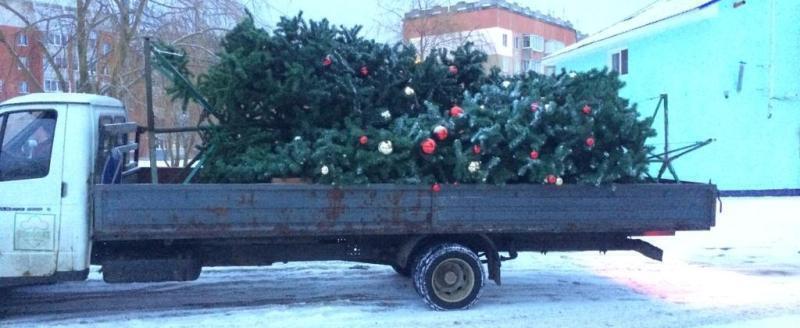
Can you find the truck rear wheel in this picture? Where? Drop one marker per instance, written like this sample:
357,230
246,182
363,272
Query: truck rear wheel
449,277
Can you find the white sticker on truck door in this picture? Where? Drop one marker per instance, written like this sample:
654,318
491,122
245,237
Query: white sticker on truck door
34,232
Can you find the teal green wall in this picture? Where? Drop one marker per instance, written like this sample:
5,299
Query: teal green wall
695,59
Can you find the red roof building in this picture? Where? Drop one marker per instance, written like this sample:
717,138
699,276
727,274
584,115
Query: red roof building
514,37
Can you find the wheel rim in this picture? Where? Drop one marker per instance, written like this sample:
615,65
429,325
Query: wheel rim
453,280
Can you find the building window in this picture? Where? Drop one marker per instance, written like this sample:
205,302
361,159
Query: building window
55,38
23,87
533,42
22,39
516,42
505,40
92,39
106,48
23,63
60,61
52,86
2,84
619,62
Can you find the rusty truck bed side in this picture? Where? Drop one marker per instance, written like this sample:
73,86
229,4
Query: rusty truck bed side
200,211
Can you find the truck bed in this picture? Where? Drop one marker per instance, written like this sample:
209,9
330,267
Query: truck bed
199,211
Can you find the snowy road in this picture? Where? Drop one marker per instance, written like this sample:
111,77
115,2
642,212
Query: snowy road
745,272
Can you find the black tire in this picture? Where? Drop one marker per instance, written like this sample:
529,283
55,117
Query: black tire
405,272
449,277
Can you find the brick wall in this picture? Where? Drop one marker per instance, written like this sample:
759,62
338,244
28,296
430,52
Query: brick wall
10,73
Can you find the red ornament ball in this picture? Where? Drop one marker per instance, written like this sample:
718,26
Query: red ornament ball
440,132
363,140
534,154
534,107
476,149
586,109
428,146
327,61
456,111
551,179
590,141
436,187
364,71
453,69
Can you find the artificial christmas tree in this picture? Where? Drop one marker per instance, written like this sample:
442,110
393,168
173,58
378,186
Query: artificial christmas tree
308,99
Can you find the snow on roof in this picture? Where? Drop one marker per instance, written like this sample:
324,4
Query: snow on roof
72,98
657,11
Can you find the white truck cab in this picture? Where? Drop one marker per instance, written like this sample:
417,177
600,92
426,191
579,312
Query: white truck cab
47,166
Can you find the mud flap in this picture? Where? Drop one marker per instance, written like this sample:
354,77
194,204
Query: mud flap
151,270
646,249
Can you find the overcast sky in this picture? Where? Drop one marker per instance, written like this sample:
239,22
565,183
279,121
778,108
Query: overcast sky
588,16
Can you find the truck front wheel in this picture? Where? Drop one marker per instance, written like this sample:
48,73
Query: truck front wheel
449,277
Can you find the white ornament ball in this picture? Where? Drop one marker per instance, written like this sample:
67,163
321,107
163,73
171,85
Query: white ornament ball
385,147
324,170
559,181
386,115
548,107
297,138
573,74
474,166
408,91
506,84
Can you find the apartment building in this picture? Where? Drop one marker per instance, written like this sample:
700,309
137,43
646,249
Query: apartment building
516,38
44,30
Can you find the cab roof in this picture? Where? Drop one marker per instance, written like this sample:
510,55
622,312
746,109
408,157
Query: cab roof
63,98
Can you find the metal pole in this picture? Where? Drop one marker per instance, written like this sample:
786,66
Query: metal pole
667,159
666,128
151,117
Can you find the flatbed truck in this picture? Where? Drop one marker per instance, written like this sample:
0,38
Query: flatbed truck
72,195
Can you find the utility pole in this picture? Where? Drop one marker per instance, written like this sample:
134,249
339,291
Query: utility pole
151,117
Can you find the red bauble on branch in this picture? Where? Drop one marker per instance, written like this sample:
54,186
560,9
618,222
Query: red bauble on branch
327,61
363,140
586,109
456,112
534,107
476,149
436,187
364,71
551,179
534,154
440,132
590,142
453,69
428,146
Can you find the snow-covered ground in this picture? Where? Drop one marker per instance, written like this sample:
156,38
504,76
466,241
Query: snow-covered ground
743,273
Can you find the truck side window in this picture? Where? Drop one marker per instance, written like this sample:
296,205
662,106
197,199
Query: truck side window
27,139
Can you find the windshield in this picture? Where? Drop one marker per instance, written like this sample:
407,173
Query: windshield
27,139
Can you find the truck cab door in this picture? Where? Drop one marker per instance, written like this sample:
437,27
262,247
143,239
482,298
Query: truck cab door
31,161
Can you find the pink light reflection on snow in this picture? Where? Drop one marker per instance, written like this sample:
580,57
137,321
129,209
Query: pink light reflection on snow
678,282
